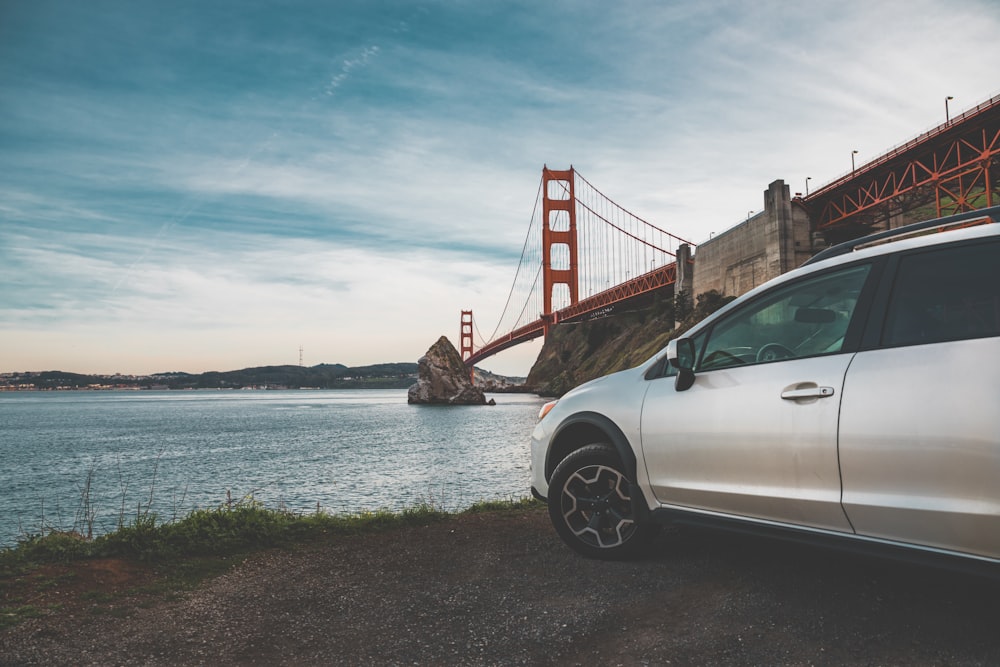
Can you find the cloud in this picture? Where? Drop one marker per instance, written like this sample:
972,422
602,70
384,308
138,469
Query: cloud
255,293
353,178
348,65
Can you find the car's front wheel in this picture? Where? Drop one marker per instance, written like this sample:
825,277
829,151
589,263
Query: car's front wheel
590,504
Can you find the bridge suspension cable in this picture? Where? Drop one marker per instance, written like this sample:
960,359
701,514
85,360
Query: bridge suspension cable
525,286
611,247
616,245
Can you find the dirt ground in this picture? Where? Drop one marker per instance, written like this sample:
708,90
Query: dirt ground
501,589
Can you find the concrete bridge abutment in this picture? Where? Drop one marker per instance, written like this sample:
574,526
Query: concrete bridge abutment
768,244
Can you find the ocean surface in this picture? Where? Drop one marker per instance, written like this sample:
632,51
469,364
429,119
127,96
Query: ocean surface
64,455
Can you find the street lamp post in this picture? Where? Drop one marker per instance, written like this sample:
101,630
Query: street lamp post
808,178
947,116
853,153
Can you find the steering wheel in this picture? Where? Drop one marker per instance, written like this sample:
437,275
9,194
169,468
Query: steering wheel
773,352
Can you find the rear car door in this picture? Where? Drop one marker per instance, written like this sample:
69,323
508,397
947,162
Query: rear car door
920,418
756,435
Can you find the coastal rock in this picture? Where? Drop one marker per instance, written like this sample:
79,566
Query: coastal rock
443,378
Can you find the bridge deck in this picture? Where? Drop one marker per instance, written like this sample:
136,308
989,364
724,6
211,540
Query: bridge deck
663,276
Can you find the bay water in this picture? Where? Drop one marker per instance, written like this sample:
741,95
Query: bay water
112,454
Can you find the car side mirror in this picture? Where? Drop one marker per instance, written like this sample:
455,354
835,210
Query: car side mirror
680,354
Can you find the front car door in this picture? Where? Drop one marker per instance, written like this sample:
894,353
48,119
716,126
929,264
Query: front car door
756,435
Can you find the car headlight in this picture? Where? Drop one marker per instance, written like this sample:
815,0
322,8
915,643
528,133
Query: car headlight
546,409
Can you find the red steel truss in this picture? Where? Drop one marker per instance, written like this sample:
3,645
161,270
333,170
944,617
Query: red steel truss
661,277
949,169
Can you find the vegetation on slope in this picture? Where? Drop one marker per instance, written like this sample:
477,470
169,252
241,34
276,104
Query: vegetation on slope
576,352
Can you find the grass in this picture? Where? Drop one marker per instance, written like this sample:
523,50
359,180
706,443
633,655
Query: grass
234,527
241,526
237,527
183,552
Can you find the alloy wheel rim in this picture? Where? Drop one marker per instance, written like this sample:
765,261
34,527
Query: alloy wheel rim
597,508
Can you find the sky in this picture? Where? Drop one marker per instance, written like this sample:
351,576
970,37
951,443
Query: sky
196,186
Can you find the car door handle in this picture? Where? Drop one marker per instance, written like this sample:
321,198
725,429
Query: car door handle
806,392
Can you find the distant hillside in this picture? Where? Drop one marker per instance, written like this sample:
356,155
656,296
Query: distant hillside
492,382
398,375
324,376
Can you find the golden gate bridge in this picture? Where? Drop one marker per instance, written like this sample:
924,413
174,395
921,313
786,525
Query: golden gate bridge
584,253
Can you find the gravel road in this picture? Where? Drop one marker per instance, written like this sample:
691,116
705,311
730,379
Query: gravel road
501,589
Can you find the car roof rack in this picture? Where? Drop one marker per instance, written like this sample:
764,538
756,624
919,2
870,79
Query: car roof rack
951,222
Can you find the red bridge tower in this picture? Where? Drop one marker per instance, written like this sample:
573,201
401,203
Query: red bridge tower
559,235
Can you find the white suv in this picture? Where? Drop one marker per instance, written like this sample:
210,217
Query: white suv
855,397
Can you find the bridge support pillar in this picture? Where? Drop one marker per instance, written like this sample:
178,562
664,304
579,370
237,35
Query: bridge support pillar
465,338
548,321
559,234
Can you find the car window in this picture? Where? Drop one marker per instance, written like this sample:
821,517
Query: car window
804,319
945,294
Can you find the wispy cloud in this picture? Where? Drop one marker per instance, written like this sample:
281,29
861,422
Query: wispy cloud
347,66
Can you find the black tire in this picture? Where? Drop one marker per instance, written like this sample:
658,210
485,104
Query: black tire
590,505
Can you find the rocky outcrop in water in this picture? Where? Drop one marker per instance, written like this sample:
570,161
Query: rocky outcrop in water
443,378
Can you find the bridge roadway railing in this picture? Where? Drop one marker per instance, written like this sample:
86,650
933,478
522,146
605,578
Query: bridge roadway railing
647,282
896,151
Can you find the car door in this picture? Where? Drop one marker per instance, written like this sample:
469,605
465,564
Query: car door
756,434
920,421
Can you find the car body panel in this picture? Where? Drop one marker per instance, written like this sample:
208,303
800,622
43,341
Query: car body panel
920,456
731,443
617,397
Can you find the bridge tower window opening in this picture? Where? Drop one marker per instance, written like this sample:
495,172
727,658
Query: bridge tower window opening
559,221
560,257
559,188
560,296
